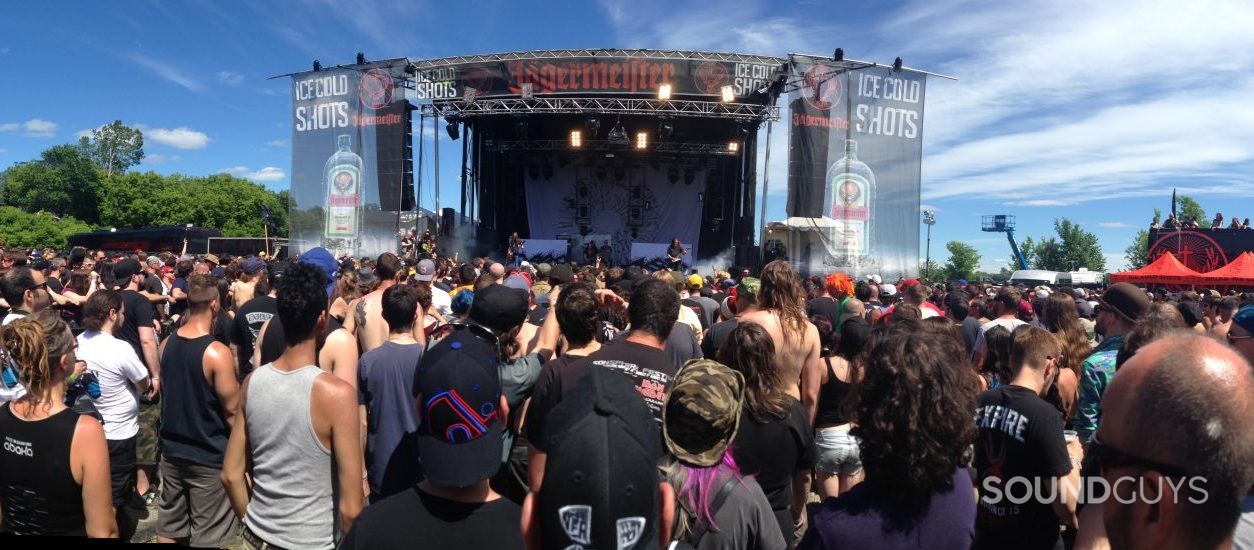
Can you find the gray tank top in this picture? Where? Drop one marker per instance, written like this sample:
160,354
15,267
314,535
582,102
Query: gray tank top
293,505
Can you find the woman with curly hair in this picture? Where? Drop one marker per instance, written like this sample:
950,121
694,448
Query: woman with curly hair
797,353
54,471
775,440
913,415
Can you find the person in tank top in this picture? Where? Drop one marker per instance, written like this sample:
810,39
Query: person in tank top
298,436
54,464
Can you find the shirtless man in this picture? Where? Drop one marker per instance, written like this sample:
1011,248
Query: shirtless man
797,350
244,289
365,314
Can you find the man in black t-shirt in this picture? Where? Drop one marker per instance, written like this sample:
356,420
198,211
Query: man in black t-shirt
653,310
248,322
1020,437
138,331
461,413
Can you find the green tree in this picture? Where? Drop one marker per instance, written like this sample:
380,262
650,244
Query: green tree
64,181
1072,249
930,269
226,203
963,261
1137,253
114,147
1187,208
37,230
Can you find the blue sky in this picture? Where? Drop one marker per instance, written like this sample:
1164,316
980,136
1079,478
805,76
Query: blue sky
1093,111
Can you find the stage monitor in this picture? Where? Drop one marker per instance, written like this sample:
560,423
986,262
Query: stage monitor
349,158
856,140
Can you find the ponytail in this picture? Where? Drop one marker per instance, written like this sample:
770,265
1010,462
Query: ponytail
36,344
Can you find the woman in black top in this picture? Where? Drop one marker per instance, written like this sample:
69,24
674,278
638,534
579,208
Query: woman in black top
675,255
775,439
837,462
54,466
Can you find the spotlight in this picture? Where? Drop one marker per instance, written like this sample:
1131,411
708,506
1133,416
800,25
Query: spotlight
642,140
665,129
317,65
594,125
451,128
897,65
733,146
839,55
729,94
361,58
664,92
618,135
576,139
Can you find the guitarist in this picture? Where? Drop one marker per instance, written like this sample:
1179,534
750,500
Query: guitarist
516,250
675,255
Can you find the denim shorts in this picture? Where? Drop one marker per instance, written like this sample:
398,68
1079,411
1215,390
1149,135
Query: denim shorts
837,451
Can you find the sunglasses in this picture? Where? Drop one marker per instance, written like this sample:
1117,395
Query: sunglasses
1108,457
1233,339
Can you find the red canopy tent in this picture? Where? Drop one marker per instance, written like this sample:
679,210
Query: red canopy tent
1166,270
1238,272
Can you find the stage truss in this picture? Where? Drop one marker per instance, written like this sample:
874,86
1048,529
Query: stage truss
623,106
663,147
558,54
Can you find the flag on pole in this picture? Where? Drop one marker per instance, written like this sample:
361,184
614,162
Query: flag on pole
1173,201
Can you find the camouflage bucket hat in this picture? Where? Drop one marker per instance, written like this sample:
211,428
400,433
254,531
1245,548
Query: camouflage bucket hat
702,412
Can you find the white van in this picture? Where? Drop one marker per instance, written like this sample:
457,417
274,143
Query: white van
1034,277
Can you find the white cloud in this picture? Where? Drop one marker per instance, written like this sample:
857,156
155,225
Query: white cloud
1115,225
230,78
923,207
277,143
84,133
9,127
267,174
158,158
178,138
39,128
167,72
1043,202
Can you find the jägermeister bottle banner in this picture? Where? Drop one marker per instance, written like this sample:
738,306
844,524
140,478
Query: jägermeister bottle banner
855,144
348,158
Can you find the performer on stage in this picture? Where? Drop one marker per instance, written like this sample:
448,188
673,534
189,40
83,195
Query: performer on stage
675,255
408,242
590,252
516,250
426,246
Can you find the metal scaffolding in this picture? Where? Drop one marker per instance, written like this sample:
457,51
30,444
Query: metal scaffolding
664,147
581,105
427,64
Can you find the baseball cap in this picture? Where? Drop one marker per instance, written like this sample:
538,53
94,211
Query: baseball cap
906,284
125,269
322,259
426,270
888,289
727,284
702,412
459,435
726,309
1245,318
254,265
874,279
1126,300
695,282
1025,308
600,477
499,307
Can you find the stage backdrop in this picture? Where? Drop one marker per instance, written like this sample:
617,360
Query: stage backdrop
349,161
855,145
628,205
1201,250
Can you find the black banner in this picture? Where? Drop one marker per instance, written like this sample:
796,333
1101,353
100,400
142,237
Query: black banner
1201,250
350,163
602,74
856,138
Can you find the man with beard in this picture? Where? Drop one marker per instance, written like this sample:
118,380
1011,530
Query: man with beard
1117,311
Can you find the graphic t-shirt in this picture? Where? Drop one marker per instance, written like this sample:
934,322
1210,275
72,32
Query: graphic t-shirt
414,519
247,326
1018,434
649,368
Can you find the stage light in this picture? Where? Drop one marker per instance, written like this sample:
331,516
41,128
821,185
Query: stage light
618,135
838,55
593,125
317,65
897,65
576,139
642,140
361,58
451,128
664,92
729,94
733,146
665,129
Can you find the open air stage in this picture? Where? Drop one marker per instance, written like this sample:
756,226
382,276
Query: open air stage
629,147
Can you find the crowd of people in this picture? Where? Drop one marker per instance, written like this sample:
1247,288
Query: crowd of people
324,402
1191,222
